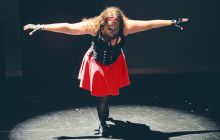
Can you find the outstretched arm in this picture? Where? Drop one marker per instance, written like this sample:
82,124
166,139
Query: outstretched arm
134,26
79,28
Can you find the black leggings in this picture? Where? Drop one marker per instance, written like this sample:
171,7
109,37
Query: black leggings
103,109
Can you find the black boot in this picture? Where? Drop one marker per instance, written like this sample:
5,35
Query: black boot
103,129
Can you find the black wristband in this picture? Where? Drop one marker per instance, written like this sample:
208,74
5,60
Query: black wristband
177,23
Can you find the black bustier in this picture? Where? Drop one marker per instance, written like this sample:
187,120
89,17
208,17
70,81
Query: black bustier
104,53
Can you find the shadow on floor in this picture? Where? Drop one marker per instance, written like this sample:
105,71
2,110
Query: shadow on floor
129,131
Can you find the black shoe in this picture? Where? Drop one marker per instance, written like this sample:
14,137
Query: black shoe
103,129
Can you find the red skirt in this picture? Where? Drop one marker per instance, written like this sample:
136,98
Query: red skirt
103,80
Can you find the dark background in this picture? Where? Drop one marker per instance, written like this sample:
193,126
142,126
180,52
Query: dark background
194,48
168,67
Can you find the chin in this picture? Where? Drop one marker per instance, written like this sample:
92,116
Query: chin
111,37
115,36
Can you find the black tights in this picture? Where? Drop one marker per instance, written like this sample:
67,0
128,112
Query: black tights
103,109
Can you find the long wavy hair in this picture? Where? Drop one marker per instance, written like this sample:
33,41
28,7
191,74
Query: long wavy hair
96,23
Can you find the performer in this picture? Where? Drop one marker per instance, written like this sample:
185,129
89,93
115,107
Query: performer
104,70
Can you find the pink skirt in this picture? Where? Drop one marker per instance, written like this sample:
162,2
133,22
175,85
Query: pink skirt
103,80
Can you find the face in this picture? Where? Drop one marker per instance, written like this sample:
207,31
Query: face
111,28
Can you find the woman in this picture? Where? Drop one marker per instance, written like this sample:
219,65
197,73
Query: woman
104,70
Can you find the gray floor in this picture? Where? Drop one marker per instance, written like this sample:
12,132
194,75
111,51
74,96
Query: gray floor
128,123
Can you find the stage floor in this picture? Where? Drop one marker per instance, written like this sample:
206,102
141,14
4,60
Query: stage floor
153,107
128,122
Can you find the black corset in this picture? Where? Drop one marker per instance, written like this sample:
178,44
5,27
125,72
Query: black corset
105,55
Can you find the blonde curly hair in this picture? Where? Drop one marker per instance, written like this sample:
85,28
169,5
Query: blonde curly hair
94,24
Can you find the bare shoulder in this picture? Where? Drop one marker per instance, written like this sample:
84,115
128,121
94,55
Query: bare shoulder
129,26
126,26
84,27
89,27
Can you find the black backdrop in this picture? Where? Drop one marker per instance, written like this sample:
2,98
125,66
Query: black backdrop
50,61
2,63
195,48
